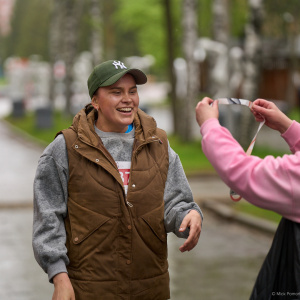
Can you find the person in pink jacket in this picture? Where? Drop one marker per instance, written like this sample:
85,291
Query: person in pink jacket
270,183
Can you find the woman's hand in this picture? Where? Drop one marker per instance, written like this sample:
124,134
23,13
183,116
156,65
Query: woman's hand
193,221
274,117
205,111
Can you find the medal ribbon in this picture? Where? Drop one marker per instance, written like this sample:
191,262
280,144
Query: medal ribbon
235,101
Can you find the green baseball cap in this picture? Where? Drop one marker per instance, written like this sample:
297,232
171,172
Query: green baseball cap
109,72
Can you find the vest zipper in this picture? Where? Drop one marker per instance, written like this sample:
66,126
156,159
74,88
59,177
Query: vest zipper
129,204
112,162
135,153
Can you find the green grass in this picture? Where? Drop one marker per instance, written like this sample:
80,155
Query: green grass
28,124
249,208
265,151
3,81
295,114
191,155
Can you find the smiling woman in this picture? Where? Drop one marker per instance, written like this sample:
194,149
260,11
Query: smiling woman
116,104
112,188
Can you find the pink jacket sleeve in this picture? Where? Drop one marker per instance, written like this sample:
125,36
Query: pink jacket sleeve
270,183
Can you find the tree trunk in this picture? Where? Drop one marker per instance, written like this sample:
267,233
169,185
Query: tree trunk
252,55
71,11
96,36
290,95
221,35
221,71
190,36
218,50
55,42
221,21
109,31
170,55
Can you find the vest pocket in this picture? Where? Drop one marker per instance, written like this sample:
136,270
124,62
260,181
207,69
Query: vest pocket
87,235
83,221
152,232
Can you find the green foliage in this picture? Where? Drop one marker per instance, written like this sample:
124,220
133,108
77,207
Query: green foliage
205,18
30,25
238,12
135,27
144,23
239,16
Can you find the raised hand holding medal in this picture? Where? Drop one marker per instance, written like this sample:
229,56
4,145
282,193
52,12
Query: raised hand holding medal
235,101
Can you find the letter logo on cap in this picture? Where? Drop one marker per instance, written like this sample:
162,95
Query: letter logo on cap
118,64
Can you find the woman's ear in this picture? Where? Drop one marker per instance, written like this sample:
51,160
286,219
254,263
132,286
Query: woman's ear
95,102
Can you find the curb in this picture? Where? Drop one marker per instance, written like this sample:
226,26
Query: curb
17,205
226,212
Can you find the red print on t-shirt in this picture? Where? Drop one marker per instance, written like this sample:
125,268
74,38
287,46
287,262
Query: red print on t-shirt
125,175
124,170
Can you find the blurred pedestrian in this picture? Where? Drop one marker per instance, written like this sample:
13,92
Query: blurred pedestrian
270,183
106,193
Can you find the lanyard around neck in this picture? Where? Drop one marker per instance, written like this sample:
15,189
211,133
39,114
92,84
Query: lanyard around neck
235,101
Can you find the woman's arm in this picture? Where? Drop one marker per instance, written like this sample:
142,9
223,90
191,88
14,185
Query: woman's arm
270,183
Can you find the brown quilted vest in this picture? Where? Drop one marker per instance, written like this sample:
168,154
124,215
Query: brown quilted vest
117,247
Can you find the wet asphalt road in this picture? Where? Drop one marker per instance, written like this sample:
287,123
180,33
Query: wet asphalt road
223,266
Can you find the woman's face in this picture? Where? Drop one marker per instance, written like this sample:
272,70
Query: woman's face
116,104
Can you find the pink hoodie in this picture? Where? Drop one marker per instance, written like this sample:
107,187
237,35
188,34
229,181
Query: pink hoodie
270,183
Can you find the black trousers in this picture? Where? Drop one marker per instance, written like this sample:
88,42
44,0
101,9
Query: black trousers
279,276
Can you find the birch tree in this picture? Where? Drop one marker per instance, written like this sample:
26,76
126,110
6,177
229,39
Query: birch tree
96,35
221,35
221,72
170,55
55,41
221,21
72,10
252,63
190,36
